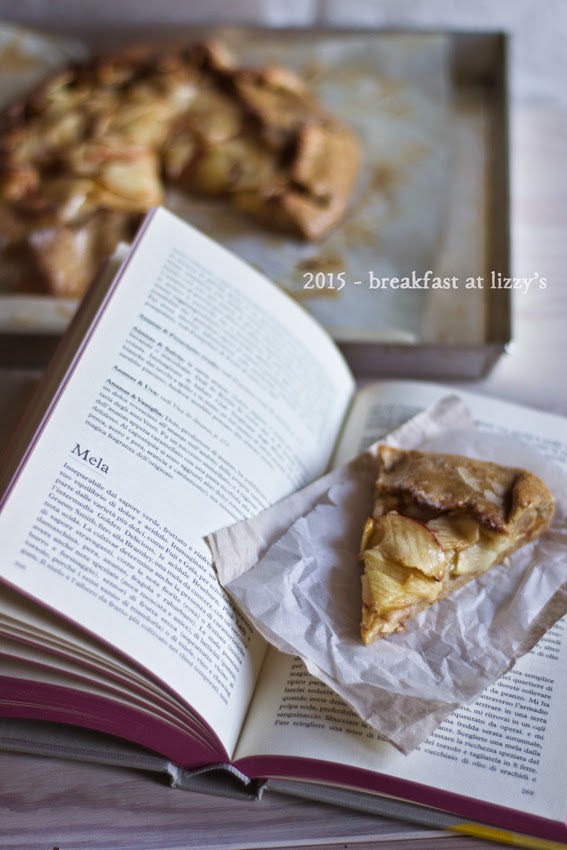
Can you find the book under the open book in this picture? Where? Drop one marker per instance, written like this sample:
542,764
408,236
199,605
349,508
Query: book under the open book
190,393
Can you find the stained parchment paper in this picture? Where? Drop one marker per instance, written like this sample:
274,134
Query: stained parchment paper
26,56
293,571
395,91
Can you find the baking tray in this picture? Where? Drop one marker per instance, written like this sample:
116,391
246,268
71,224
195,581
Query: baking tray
477,239
463,333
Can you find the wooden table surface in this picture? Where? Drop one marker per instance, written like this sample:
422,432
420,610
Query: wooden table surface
46,804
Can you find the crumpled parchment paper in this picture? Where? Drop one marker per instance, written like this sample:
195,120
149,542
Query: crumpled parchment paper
294,572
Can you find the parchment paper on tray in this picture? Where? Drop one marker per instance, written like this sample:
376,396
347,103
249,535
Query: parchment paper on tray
293,571
27,56
394,90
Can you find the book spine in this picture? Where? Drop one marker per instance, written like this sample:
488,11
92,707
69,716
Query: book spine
222,780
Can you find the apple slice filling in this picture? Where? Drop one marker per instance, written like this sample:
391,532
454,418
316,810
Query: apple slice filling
409,564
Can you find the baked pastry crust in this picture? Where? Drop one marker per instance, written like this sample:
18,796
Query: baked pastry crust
89,152
440,520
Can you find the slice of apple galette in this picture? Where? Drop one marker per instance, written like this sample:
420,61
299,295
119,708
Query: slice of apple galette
440,520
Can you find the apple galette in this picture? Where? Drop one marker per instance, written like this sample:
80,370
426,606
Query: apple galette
89,152
440,520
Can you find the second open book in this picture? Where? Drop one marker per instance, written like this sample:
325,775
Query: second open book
189,393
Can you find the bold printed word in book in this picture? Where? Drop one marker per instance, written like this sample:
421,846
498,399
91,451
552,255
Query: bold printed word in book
87,456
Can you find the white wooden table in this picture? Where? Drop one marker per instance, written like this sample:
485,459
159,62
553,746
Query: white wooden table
46,804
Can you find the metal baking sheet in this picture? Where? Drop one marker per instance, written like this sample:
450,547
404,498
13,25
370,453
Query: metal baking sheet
416,208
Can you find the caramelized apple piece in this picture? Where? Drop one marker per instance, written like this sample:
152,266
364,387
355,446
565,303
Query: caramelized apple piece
411,543
454,532
394,584
489,549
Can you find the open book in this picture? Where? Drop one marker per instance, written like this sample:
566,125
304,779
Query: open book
188,393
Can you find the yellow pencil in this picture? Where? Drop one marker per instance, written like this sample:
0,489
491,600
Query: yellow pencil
504,837
393,807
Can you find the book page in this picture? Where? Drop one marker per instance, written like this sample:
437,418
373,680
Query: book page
63,644
204,395
379,408
507,748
